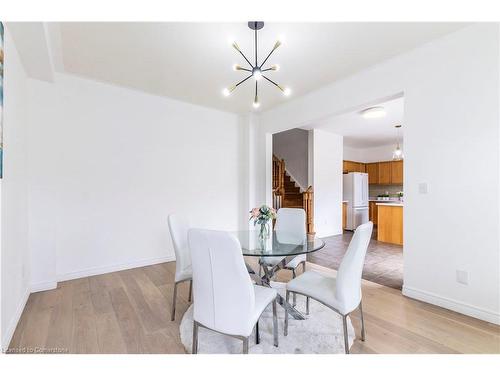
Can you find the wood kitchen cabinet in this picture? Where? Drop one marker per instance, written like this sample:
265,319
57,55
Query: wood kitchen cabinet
372,170
385,172
373,212
390,224
379,173
397,172
353,166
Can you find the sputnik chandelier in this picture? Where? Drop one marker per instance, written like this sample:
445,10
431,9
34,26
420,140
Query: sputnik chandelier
256,71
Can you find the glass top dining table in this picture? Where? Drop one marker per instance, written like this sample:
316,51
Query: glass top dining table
278,244
283,246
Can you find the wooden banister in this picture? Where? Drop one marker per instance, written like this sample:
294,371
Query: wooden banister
308,205
278,176
279,193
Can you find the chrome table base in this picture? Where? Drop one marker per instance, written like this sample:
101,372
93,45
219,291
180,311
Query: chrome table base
265,280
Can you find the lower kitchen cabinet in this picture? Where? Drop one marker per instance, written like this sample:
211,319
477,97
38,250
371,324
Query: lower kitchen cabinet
373,212
390,224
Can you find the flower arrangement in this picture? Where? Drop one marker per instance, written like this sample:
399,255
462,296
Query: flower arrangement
261,216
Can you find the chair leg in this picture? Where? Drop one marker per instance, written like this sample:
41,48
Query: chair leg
172,317
190,297
275,324
307,305
257,334
303,267
286,314
195,338
294,275
245,345
346,337
362,321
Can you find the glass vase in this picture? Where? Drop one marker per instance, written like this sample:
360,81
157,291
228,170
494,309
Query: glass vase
264,231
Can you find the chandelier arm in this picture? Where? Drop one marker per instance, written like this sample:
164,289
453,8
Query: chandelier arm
256,90
246,70
274,83
243,80
249,63
263,62
265,70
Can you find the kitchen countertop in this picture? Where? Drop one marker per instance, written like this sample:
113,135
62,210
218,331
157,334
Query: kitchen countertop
389,203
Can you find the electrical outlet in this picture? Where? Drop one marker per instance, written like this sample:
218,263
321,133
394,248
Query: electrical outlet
463,277
423,188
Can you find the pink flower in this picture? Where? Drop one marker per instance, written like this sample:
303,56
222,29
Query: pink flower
255,213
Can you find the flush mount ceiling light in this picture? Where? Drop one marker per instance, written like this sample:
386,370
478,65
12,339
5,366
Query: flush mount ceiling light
256,70
373,112
397,154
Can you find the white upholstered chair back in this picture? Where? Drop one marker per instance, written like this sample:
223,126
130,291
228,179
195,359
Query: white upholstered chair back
348,286
224,297
290,225
179,227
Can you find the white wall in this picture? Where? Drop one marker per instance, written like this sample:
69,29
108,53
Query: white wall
451,88
327,182
108,164
15,270
292,145
353,154
370,154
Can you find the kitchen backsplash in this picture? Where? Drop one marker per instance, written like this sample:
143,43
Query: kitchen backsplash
375,190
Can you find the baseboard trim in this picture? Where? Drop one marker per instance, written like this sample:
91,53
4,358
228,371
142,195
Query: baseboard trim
11,327
451,304
114,268
45,285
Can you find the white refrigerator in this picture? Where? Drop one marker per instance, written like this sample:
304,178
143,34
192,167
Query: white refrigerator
356,195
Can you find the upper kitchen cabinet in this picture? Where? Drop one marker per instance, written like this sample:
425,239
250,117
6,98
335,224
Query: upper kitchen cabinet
372,170
353,166
397,172
385,173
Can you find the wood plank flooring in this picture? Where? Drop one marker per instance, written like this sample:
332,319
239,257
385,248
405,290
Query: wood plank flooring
129,312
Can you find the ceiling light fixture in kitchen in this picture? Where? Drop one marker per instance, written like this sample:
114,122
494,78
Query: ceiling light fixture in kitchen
373,112
397,154
256,70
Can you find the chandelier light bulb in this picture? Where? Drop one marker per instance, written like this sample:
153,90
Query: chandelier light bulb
277,44
287,91
236,67
228,90
275,67
256,103
235,46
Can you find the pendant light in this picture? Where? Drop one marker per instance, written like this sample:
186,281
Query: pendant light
256,69
397,154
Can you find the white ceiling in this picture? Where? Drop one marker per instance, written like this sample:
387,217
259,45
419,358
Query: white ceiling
192,61
360,132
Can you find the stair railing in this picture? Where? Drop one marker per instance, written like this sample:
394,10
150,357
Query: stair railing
308,205
279,193
278,182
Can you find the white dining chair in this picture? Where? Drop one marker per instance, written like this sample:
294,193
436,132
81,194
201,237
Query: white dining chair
179,227
342,293
290,227
225,300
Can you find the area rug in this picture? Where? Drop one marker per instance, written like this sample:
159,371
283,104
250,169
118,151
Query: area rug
320,333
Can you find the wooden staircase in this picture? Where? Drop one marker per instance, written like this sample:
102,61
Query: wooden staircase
287,194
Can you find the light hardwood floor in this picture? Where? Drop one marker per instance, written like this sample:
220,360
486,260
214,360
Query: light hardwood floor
129,312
